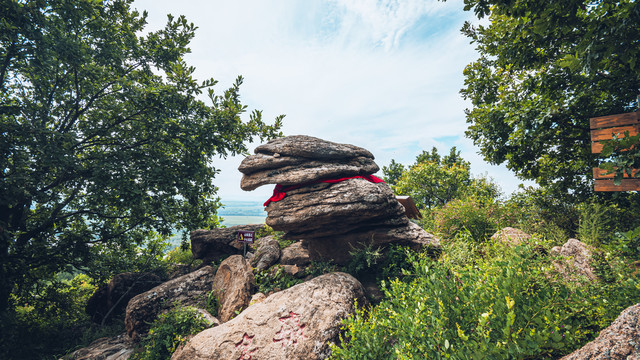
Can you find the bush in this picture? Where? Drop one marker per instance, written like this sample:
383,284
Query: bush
481,218
507,304
169,331
274,279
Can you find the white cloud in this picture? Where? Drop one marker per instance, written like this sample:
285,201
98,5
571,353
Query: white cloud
383,75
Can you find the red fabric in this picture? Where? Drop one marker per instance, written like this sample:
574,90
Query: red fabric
280,192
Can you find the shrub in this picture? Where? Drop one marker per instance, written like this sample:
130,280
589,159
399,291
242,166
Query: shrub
168,331
274,279
505,305
480,218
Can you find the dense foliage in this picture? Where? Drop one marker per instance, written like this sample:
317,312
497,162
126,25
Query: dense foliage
105,139
545,69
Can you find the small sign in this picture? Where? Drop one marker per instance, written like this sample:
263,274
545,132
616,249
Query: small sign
246,236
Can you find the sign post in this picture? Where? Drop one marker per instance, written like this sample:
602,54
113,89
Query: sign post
245,237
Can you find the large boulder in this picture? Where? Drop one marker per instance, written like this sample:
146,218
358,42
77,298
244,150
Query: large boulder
216,244
111,300
188,290
267,253
575,264
296,323
512,236
301,159
233,286
120,347
621,340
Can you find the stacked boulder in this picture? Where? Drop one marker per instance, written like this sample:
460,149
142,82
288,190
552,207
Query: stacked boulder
326,196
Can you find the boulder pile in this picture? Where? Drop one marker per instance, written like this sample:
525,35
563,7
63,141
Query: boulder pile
326,195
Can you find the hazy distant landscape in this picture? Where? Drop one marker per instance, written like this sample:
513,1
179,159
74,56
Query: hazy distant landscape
242,212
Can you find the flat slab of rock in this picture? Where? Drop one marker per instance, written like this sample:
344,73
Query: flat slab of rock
120,347
311,147
187,290
621,340
296,323
233,285
216,244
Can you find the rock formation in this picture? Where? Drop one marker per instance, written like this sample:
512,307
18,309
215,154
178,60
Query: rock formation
297,323
111,300
216,244
267,253
233,286
120,347
621,340
577,263
188,290
326,196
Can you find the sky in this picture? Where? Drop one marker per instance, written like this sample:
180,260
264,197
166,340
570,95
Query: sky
383,75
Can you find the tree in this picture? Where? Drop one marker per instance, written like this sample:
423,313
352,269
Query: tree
105,140
432,180
544,69
392,172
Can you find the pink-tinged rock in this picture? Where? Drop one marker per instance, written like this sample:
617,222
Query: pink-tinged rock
511,236
296,323
233,285
120,347
188,290
295,254
620,341
576,265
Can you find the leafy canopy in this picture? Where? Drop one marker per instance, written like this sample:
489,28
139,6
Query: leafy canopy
544,69
106,138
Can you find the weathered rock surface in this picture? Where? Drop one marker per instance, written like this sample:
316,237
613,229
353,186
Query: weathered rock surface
577,263
309,171
267,253
334,209
332,218
233,285
511,236
337,248
295,254
187,290
311,147
620,341
297,323
216,244
301,159
120,347
112,299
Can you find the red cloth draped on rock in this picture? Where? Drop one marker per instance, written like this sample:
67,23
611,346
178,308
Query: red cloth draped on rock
280,192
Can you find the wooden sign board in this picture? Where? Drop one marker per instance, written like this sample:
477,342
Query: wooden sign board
246,236
603,128
410,208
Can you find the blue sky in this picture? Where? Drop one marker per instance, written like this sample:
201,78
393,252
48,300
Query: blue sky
383,75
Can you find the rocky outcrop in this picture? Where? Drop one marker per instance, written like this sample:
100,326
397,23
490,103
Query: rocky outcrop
188,290
512,236
621,340
576,262
233,285
111,300
297,323
334,217
298,159
216,244
267,253
120,347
